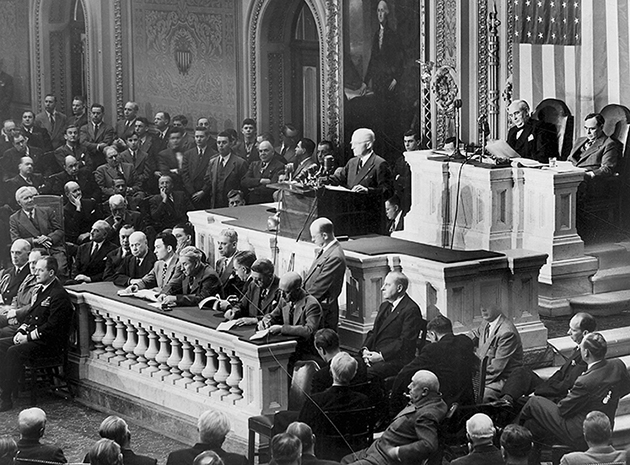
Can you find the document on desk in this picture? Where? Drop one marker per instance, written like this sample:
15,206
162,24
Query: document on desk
226,325
338,188
500,148
259,334
146,294
526,162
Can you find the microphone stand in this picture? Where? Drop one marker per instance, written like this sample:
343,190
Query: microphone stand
457,104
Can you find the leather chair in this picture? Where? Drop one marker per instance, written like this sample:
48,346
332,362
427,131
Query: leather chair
556,112
53,201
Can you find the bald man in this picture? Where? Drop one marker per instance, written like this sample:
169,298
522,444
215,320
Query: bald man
413,435
32,425
12,277
366,171
297,314
135,265
78,214
261,173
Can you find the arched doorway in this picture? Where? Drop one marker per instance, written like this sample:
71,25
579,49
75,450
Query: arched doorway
78,82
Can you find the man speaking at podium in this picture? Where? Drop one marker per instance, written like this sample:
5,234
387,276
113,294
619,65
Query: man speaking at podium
366,171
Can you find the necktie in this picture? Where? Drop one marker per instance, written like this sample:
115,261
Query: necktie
263,294
200,152
52,119
263,167
380,37
320,251
94,250
359,166
291,312
31,216
486,334
164,273
95,128
388,308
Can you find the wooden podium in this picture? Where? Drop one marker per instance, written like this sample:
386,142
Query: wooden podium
352,213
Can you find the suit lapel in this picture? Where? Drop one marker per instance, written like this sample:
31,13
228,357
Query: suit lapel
29,225
365,170
394,314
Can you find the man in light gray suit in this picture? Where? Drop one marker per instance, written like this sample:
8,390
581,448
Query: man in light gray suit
53,121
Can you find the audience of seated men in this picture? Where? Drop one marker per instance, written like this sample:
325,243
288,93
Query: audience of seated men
195,166
32,426
169,207
597,432
224,173
120,215
117,430
213,427
480,434
391,343
72,172
528,137
599,388
39,226
78,214
523,381
136,264
25,177
366,171
497,339
105,452
297,314
11,278
227,245
137,158
413,434
37,136
285,449
44,330
516,445
339,397
91,257
451,357
12,313
96,135
304,433
325,277
116,256
197,281
260,173
261,295
73,148
165,269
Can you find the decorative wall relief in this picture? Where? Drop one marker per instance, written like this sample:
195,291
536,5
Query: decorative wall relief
446,52
185,59
14,47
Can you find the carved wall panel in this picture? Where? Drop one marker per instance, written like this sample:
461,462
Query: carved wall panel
276,92
185,59
58,65
14,50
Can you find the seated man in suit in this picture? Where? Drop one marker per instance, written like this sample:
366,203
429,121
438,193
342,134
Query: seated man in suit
224,266
599,388
528,137
90,260
366,171
213,427
480,432
25,177
138,158
304,433
260,173
261,295
597,153
297,314
166,267
44,331
37,136
413,435
135,265
105,452
339,396
39,226
598,435
450,357
116,256
11,158
169,207
121,215
391,343
197,281
73,148
499,341
325,277
117,430
73,172
394,214
113,169
78,214
32,425
12,277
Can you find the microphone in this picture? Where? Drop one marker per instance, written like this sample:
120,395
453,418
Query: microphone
457,104
329,164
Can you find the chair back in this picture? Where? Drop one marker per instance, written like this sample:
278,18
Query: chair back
53,201
479,380
616,126
345,432
303,372
556,112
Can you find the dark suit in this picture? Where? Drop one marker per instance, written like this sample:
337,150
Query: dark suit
394,335
91,265
251,304
599,388
452,359
38,137
483,454
287,153
322,379
256,192
49,319
310,459
220,180
600,158
194,170
374,174
414,431
31,449
167,161
167,215
10,281
537,140
230,282
324,281
140,163
190,290
241,150
130,268
187,456
56,184
55,131
78,121
13,184
504,351
386,63
105,176
91,140
79,152
133,218
79,222
123,129
11,161
112,262
156,278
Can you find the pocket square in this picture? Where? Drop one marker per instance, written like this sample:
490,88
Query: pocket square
530,138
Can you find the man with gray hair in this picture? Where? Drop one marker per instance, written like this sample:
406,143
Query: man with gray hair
480,433
39,226
113,169
32,425
117,430
79,214
89,262
213,427
126,126
197,281
137,264
121,215
528,137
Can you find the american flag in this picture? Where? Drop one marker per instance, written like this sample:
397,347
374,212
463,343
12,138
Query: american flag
577,51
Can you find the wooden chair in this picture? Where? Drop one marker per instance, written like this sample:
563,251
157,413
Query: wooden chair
53,201
556,112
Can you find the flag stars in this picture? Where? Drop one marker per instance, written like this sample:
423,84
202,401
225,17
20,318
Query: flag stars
576,4
553,20
564,20
529,34
539,4
564,4
553,35
577,20
528,3
540,35
529,18
539,19
553,4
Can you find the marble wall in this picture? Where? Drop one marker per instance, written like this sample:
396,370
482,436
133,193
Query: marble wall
14,47
185,59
